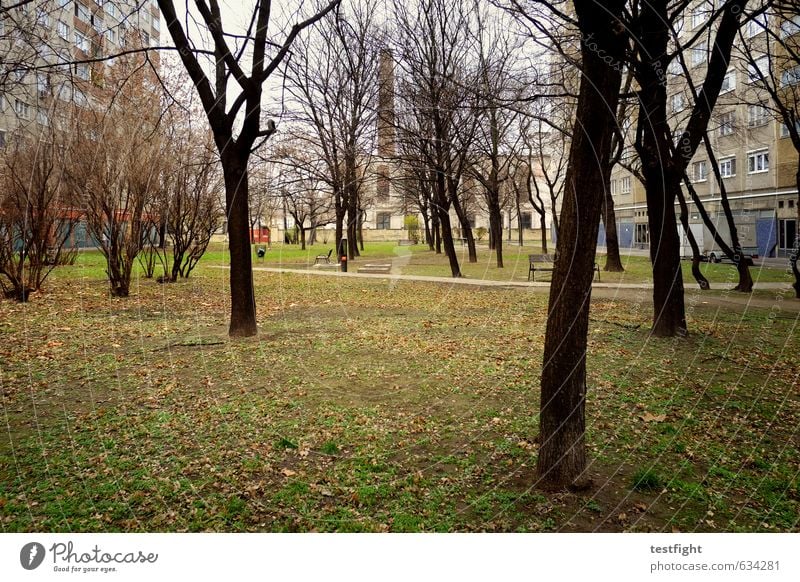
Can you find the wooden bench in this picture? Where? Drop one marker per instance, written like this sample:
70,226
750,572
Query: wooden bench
404,242
323,259
548,263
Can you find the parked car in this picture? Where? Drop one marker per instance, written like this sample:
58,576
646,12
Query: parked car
748,253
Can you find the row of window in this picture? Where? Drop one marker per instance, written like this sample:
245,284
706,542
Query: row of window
621,186
85,14
757,163
755,25
789,77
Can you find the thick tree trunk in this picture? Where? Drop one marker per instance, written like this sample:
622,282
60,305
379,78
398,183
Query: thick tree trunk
496,228
466,229
340,209
243,303
662,177
613,259
447,241
562,453
796,252
669,313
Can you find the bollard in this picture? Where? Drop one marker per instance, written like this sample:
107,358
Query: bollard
342,252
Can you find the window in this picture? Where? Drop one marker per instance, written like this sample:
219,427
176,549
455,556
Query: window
83,13
727,167
757,68
526,221
97,22
642,234
756,25
111,35
790,76
678,102
62,29
698,17
383,221
626,185
41,84
785,128
727,121
2,138
82,71
81,42
613,186
757,115
43,19
700,171
699,54
63,3
145,39
42,118
22,109
79,98
674,67
758,162
728,83
111,9
156,22
790,27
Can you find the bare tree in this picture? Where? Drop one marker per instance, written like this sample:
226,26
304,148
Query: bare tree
115,170
192,213
496,141
333,76
262,55
35,219
437,116
663,164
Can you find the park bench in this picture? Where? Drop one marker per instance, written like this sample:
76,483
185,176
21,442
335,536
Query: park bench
323,259
547,263
405,242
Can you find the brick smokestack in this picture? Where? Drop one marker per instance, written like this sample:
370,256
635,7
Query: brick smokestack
387,147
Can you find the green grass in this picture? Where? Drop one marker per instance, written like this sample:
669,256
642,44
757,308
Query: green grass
369,405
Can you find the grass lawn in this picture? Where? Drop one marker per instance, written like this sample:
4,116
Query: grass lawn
370,405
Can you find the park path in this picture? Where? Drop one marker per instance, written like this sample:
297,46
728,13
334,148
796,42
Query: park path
327,272
630,292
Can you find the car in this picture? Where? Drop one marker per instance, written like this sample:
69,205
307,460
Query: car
749,253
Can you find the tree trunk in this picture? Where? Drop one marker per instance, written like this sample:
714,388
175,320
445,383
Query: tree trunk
243,303
696,258
466,229
496,228
447,241
796,251
543,224
562,453
613,260
662,177
669,314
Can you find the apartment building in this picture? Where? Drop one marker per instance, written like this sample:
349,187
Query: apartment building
757,161
53,52
59,59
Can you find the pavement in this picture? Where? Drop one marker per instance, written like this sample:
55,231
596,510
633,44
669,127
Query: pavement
328,272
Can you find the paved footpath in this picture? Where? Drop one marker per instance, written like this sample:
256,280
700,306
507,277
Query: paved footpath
328,272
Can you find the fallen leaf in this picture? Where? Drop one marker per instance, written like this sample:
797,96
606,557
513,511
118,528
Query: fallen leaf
650,417
288,472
